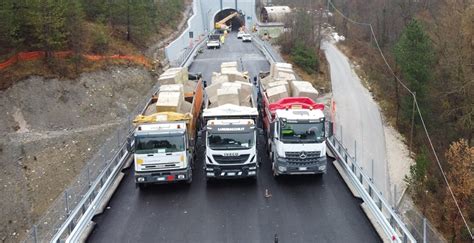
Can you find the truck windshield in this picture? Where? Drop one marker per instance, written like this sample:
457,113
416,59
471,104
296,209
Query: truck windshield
302,132
214,37
159,144
232,141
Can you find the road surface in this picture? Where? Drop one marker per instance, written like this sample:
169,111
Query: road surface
358,118
300,209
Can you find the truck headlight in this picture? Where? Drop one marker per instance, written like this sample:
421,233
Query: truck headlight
181,176
141,179
281,168
322,167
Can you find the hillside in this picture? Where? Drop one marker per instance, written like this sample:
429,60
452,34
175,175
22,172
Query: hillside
80,36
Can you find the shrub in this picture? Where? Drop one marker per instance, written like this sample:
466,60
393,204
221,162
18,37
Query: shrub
305,58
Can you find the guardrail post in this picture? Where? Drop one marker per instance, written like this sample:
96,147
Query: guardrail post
341,133
372,174
35,234
355,150
68,211
89,176
424,230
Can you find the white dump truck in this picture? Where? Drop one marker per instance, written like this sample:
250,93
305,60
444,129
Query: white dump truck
231,131
295,124
165,133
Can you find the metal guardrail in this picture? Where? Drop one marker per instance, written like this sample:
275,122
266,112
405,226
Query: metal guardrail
185,58
391,224
79,218
263,48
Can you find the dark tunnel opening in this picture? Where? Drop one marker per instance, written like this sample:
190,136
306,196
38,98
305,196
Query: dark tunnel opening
236,22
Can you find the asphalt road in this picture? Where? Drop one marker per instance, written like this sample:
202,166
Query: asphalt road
247,55
358,119
300,209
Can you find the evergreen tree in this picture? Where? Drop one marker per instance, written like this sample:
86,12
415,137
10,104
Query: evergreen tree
75,25
414,55
49,25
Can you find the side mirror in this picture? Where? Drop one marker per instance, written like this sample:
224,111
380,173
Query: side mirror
272,130
330,129
201,132
131,144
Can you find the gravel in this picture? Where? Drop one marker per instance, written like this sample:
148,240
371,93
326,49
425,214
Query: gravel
50,128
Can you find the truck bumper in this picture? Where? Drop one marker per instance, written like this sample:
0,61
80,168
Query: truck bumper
284,167
163,177
231,171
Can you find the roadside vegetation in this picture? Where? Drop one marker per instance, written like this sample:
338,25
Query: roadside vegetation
120,27
298,46
430,46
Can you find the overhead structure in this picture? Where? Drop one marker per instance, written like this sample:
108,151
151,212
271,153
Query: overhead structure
274,13
222,24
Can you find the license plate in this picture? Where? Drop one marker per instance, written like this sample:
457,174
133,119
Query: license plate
231,173
303,168
161,179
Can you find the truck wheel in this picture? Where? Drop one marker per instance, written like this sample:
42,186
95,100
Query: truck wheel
190,179
141,186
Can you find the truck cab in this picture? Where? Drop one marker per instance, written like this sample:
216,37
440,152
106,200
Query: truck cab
297,141
162,153
231,148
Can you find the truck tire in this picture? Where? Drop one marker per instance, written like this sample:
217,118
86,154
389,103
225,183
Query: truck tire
274,170
190,179
141,186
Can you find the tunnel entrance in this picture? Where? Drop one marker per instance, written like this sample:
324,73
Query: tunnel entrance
235,22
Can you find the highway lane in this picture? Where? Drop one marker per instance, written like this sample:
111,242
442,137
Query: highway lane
247,55
300,209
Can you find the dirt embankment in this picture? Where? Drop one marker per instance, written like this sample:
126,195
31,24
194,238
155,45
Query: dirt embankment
50,128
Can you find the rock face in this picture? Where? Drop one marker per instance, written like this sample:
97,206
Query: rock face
276,93
50,129
303,89
230,86
169,101
177,75
281,79
229,95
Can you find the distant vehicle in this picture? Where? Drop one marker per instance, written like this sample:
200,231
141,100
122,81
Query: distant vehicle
240,34
214,41
246,38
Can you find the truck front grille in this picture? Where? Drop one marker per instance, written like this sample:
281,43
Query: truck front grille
308,155
231,159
